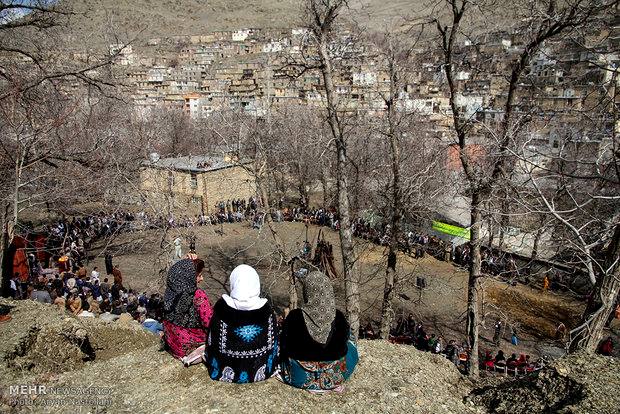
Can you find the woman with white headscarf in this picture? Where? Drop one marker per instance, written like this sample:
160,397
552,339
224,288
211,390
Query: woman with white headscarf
243,344
316,353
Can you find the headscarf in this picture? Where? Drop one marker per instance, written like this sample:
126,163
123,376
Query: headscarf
319,308
179,296
244,289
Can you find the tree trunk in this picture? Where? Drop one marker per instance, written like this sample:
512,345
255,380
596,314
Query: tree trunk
535,247
7,271
588,335
387,313
473,285
491,235
324,188
537,238
350,271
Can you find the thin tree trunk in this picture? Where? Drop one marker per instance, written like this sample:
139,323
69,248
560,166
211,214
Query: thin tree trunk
491,235
324,187
350,272
473,286
4,247
535,247
387,313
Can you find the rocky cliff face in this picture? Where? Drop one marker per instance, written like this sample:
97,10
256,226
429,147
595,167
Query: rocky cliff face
120,367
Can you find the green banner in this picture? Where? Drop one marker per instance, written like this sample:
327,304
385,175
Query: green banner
451,230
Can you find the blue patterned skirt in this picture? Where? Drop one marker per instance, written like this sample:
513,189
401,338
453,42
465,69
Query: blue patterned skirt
319,375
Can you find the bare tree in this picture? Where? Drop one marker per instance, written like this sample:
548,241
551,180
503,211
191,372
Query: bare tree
545,21
50,105
321,18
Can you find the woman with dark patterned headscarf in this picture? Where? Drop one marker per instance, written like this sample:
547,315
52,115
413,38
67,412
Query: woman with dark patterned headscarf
316,353
187,311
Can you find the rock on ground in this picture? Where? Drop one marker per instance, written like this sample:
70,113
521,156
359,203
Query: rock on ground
575,384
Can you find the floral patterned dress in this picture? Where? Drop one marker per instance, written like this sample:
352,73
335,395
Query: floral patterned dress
182,341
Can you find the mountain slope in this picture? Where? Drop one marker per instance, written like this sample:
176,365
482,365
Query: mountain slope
150,18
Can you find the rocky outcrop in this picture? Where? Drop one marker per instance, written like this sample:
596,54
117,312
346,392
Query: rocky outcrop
579,383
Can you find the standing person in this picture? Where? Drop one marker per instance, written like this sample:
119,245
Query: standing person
498,332
105,289
545,284
108,264
96,288
14,286
514,339
192,242
187,311
409,327
115,292
452,352
177,248
243,337
317,351
118,277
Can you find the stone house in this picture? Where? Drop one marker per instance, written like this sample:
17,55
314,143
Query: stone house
192,185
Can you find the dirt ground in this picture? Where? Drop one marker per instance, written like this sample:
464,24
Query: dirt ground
440,306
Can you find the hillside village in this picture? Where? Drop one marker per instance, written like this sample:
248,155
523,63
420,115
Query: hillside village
420,219
253,69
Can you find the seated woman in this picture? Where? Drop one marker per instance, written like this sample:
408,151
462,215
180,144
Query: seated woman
243,339
74,304
187,311
316,352
500,359
488,361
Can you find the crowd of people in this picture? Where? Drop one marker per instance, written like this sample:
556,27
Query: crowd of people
71,239
409,332
89,294
303,346
239,338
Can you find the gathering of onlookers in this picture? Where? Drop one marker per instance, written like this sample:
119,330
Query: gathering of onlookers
239,337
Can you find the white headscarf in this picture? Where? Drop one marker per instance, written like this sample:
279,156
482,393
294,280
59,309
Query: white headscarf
244,289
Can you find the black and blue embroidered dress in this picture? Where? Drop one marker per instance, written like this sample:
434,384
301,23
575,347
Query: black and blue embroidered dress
242,346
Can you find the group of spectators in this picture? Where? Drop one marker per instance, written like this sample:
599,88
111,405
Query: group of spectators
409,332
515,365
88,294
68,285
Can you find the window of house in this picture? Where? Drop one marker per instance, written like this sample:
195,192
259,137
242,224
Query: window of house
193,180
170,178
